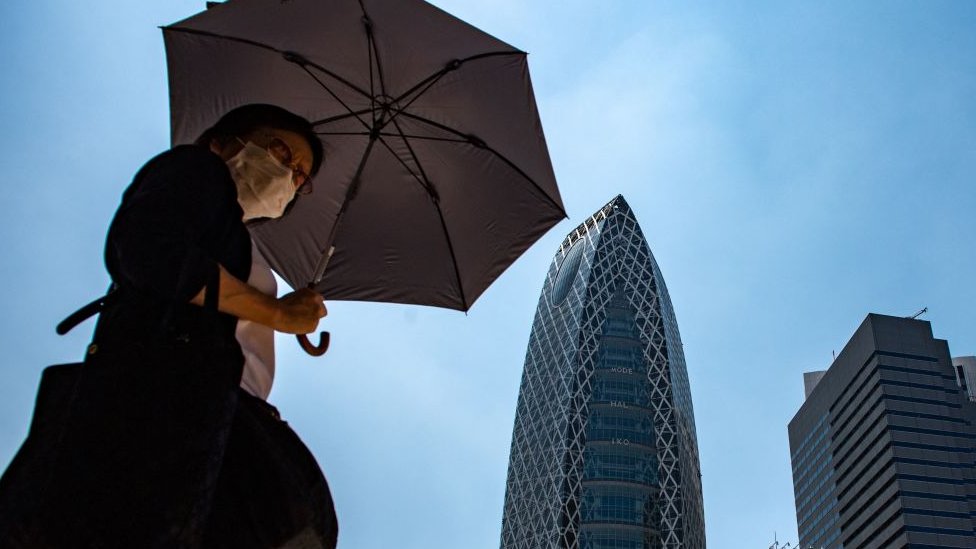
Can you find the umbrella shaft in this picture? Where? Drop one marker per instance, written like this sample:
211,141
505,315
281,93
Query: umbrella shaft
322,265
350,196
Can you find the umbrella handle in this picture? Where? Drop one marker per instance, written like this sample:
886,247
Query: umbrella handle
303,341
314,350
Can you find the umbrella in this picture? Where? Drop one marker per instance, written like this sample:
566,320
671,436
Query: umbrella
437,176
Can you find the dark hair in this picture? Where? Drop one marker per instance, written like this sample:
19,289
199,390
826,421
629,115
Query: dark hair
245,119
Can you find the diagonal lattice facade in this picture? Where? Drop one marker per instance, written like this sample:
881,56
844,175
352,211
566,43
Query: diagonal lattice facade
604,451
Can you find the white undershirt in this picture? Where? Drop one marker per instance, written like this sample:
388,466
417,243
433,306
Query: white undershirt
257,340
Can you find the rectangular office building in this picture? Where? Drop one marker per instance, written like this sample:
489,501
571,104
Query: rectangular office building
883,446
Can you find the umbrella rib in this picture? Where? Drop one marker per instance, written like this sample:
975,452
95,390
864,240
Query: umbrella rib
374,51
450,247
369,52
428,186
344,133
351,191
369,48
475,142
422,180
429,81
408,136
336,97
339,117
435,199
289,56
425,137
413,155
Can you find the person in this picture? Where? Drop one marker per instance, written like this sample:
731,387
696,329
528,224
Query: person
159,447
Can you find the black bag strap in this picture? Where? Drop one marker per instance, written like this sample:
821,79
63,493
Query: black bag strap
210,300
87,311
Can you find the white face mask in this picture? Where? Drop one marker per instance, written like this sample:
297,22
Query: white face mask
264,185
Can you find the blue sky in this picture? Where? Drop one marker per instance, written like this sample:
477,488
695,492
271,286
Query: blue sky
794,167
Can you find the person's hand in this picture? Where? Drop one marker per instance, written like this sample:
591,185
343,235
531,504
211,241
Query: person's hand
299,312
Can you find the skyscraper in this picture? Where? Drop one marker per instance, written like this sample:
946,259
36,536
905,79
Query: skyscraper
604,452
883,446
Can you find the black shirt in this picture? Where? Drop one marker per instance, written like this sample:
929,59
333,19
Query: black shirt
178,220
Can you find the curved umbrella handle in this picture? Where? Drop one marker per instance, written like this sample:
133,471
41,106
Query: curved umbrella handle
314,350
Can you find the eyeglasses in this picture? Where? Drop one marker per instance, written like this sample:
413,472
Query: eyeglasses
282,153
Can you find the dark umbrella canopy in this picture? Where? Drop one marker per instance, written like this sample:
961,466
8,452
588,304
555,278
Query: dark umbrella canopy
431,135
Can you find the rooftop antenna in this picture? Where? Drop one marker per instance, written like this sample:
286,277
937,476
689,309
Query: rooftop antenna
918,314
